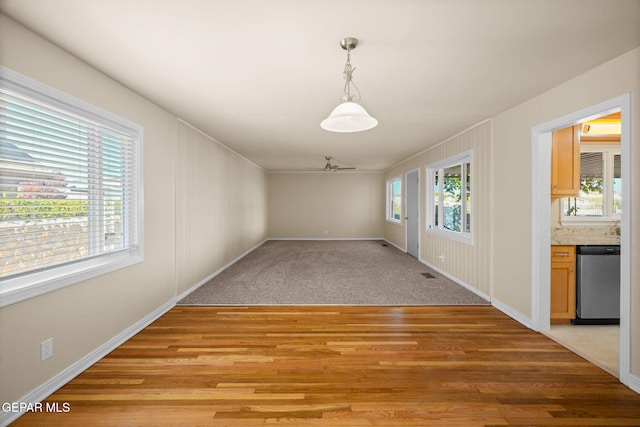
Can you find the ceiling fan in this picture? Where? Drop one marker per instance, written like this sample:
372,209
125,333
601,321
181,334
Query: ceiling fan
332,168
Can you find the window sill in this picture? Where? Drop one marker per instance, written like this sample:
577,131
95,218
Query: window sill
591,222
466,238
31,285
392,221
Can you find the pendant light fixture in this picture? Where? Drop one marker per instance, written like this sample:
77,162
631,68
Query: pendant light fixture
349,116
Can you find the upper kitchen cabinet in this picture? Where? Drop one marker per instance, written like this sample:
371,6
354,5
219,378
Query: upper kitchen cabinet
565,162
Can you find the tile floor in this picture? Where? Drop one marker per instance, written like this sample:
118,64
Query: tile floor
599,344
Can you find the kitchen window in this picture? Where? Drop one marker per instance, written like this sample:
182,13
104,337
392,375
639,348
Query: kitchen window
449,192
600,197
70,189
394,199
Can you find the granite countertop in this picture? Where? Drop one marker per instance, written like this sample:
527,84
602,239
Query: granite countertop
594,235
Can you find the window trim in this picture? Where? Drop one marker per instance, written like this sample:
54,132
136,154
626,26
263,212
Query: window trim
389,200
20,287
458,159
608,150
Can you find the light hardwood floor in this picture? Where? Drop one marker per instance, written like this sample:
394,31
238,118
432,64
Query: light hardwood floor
341,366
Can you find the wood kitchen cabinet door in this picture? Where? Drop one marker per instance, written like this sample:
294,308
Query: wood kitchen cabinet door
565,162
563,283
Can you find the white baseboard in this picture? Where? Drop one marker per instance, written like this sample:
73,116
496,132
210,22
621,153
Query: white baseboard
395,246
634,383
458,281
50,386
218,271
515,315
325,238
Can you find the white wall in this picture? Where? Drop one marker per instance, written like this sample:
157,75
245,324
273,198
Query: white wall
468,263
221,206
500,265
84,318
512,178
326,205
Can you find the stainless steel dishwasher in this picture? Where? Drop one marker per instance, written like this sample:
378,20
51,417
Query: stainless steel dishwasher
597,285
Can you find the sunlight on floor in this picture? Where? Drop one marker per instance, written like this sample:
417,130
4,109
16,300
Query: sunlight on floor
599,344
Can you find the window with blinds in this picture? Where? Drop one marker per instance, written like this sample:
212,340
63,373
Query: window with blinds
600,197
69,188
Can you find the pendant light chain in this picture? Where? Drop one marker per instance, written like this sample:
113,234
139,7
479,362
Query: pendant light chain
348,76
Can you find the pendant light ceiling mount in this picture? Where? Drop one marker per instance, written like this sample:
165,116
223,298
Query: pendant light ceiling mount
349,43
349,116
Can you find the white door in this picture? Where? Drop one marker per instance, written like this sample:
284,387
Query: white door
413,214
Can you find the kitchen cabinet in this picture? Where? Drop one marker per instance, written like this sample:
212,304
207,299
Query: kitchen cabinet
563,283
565,162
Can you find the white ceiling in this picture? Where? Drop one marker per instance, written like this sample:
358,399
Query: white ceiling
260,75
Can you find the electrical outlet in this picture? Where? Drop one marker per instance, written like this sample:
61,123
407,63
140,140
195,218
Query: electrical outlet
46,349
441,258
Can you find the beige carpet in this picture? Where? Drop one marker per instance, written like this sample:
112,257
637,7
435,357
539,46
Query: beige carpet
342,272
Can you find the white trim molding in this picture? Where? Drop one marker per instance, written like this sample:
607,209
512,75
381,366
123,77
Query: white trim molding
395,246
389,204
514,314
634,383
541,222
47,277
458,281
218,271
463,236
50,386
324,238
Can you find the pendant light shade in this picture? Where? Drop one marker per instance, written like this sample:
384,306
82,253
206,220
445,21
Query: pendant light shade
349,116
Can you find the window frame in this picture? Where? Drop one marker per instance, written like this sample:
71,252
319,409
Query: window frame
390,200
461,159
608,150
29,284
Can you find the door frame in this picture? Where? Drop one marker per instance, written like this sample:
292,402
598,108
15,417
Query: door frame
541,220
406,203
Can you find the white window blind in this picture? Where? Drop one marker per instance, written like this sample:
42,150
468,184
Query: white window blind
600,196
69,181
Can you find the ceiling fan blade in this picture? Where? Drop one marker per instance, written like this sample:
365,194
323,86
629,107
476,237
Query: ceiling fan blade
332,168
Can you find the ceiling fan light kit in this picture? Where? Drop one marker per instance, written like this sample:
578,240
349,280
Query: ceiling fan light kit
349,116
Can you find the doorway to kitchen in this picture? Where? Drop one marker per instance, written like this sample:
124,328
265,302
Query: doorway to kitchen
541,221
585,236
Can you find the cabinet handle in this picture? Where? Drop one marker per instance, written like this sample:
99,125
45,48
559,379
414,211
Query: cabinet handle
561,254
